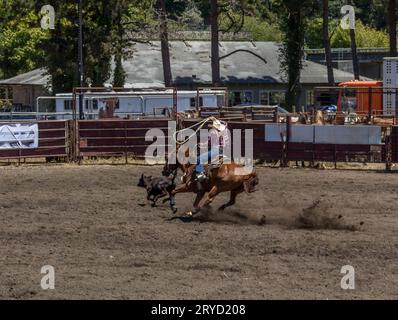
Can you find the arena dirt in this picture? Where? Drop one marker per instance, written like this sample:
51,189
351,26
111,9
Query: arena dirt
287,240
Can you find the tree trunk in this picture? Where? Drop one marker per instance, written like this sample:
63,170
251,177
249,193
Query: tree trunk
164,41
215,54
392,24
119,75
355,62
326,42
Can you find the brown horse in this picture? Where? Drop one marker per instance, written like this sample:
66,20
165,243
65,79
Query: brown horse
229,177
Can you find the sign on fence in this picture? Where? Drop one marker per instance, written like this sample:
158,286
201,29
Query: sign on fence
348,135
19,136
275,132
327,134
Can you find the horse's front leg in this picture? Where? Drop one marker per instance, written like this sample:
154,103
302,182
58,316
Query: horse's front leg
198,198
182,188
210,198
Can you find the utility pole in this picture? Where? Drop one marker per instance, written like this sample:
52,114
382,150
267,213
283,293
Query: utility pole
215,53
80,57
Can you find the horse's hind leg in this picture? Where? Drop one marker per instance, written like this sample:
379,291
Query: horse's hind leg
231,201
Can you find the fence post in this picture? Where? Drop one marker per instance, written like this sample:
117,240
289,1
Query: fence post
285,159
334,156
276,115
370,106
175,102
388,148
69,140
125,142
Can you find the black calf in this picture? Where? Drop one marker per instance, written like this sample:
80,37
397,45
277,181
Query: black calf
158,187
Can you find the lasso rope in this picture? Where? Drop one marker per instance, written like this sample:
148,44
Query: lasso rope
200,124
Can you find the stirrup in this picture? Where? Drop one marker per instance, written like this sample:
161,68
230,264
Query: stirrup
201,177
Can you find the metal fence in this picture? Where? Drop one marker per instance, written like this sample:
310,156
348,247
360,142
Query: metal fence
114,137
53,141
75,140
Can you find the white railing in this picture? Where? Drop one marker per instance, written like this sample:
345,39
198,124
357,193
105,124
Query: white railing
12,116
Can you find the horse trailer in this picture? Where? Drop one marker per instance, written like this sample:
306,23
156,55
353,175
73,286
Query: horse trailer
137,104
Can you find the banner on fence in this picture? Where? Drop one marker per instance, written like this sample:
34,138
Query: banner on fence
364,135
327,134
19,136
275,132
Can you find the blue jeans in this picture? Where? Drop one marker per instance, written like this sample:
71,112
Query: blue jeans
205,158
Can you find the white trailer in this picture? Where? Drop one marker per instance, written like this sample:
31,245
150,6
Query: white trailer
141,103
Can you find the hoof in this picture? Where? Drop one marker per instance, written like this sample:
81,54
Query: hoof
187,217
174,209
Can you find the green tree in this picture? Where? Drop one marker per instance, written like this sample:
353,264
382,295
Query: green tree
192,18
107,29
392,27
293,19
164,40
366,37
20,38
326,41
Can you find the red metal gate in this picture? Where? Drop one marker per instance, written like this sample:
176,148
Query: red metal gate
115,137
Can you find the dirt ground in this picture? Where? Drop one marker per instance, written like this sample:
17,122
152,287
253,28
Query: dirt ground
288,240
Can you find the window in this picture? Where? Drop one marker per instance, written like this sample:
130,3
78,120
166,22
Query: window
241,97
67,104
248,96
310,98
272,98
237,99
264,98
192,102
277,98
95,104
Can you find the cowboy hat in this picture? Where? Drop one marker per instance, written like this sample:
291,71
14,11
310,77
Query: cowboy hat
218,125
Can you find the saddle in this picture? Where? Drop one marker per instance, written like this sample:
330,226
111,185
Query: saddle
214,165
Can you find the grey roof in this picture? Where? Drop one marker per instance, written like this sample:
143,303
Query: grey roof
38,77
191,63
192,58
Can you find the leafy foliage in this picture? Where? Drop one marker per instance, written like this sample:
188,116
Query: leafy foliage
293,23
20,38
110,29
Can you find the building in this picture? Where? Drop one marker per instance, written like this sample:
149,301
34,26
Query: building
25,88
248,78
370,60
